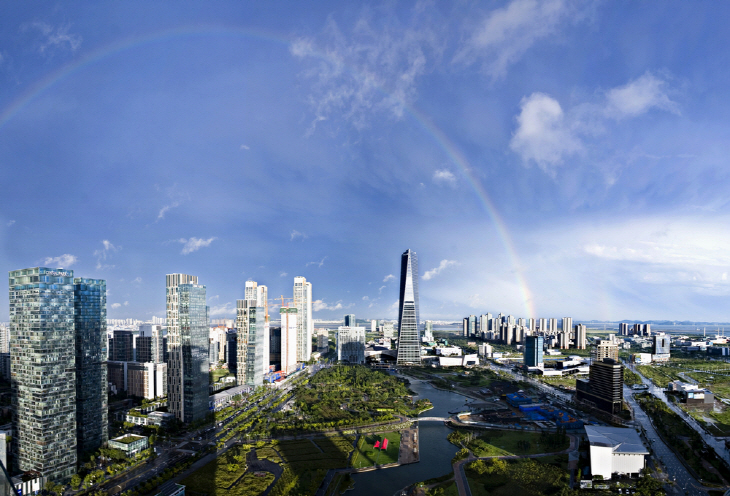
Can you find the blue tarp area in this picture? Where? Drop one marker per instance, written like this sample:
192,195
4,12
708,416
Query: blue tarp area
517,399
539,412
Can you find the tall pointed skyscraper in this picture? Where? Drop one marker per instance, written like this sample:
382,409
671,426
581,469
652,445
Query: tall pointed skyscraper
409,339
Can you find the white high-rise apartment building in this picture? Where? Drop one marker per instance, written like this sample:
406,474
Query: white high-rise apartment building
305,323
289,329
257,293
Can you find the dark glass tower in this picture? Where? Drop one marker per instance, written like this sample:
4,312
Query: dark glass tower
409,339
91,372
533,354
187,344
43,371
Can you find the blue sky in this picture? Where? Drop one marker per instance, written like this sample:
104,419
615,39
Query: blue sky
543,158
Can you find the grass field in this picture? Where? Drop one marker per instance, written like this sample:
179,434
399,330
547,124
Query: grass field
367,456
505,443
525,477
219,477
306,461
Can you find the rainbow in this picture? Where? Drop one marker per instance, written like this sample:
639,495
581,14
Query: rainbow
443,142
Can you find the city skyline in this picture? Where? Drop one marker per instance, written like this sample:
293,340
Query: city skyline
541,157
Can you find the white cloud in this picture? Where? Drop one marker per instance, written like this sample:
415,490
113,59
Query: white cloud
105,252
373,69
245,147
389,277
176,196
65,261
126,303
283,274
639,96
381,288
542,134
54,38
318,305
430,274
365,298
225,309
318,264
194,244
444,176
296,234
137,280
505,34
546,134
10,223
116,305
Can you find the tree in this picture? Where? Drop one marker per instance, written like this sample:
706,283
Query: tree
75,481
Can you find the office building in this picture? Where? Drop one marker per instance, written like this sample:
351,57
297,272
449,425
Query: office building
142,380
606,348
121,346
428,331
409,340
623,329
305,322
373,326
91,375
231,353
43,371
387,329
351,344
604,387
253,345
660,347
470,326
187,345
533,354
149,344
289,332
323,341
275,347
349,320
543,326
580,337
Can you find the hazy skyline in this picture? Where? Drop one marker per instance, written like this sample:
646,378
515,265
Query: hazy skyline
542,158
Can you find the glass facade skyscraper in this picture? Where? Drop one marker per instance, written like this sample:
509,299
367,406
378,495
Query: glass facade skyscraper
43,371
409,339
91,371
253,337
534,353
187,344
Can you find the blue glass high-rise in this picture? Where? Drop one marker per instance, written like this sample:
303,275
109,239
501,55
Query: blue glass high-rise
91,370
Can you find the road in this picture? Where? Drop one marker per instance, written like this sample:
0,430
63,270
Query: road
677,472
717,443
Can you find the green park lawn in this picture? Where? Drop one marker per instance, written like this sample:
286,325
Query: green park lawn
508,443
367,456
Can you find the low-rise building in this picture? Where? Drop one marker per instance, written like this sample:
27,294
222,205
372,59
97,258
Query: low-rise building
693,395
131,444
448,351
615,450
458,361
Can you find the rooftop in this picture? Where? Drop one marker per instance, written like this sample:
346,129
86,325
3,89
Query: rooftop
128,439
622,440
